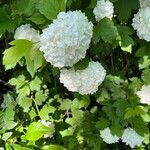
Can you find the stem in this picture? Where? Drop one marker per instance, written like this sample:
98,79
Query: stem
37,108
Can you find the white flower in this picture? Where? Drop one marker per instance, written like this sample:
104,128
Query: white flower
84,81
104,8
144,3
130,137
141,23
49,125
66,40
108,137
144,94
27,33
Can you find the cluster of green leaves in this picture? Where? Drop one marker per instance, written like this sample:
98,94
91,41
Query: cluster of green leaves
72,121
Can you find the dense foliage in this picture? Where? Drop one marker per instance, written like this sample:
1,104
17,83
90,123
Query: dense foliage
37,111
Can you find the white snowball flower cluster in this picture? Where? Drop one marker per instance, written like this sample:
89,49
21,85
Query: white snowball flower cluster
144,3
141,23
66,40
108,137
130,137
27,33
83,81
144,94
104,8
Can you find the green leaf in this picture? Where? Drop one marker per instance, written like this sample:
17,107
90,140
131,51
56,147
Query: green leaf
18,147
37,18
129,113
6,23
51,8
82,64
126,42
18,82
23,48
40,97
106,30
23,7
123,9
140,126
121,106
35,85
9,114
53,147
45,111
66,104
67,132
19,49
146,76
143,51
8,147
117,129
102,123
136,84
6,136
36,130
23,92
25,103
144,62
9,125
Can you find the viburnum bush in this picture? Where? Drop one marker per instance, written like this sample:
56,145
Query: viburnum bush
74,74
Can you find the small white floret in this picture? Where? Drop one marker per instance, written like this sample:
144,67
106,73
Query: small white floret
108,137
131,138
144,94
104,8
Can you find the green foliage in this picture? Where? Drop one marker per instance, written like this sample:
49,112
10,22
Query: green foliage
106,31
51,8
36,130
124,9
23,48
32,94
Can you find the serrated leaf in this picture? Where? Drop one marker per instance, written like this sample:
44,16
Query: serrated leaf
35,85
65,104
106,30
144,62
23,48
140,126
123,8
45,111
37,18
116,129
25,103
67,132
36,130
6,23
126,42
18,82
6,136
9,125
121,106
146,76
53,147
23,7
23,92
18,147
9,114
82,64
102,123
16,52
143,51
40,97
129,113
51,8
